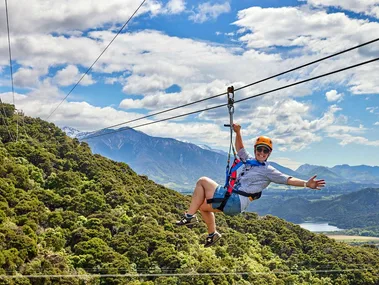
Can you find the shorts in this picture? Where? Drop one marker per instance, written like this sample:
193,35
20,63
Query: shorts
232,207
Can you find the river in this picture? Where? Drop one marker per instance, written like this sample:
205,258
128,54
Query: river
319,227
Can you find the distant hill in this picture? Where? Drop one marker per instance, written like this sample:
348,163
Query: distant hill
306,168
343,173
327,174
167,161
360,173
322,172
353,210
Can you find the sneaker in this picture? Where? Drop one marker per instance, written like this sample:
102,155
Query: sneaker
185,221
211,240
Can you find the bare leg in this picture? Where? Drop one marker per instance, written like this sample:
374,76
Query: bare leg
209,219
205,188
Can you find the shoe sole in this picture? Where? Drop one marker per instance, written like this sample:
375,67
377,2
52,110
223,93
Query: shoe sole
188,224
215,241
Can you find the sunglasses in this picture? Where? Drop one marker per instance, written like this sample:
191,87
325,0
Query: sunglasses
264,149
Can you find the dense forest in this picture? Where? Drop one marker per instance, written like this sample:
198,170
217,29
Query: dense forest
70,217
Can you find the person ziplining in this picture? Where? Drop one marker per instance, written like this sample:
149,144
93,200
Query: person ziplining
238,192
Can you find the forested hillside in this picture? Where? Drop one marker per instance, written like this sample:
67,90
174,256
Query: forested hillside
359,209
65,211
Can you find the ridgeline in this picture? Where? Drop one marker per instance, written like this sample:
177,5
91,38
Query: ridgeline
70,217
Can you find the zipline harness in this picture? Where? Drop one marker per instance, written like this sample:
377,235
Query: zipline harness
231,172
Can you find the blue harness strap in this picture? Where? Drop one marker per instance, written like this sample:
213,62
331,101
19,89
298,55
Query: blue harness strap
237,164
231,177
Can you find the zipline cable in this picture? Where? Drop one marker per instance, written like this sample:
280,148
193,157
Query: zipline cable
245,86
90,68
10,62
240,100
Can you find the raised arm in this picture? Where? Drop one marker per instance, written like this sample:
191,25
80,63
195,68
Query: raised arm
311,183
239,142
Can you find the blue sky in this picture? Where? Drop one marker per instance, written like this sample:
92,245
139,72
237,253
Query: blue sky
176,51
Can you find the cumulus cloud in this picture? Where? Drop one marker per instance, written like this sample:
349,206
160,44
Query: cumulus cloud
28,77
40,103
75,15
364,80
309,31
297,26
333,96
346,139
70,75
176,6
208,11
136,84
350,135
290,123
341,129
368,7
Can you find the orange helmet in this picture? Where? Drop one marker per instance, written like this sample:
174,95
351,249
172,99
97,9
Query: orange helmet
262,140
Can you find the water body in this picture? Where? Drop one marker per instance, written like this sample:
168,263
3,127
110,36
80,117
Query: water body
319,227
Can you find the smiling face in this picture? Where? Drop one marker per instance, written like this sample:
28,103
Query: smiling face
262,153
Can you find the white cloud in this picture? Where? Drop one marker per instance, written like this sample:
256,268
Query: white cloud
333,96
40,52
364,80
206,11
111,80
70,75
289,122
340,129
176,6
376,124
136,84
28,77
368,7
40,103
350,135
299,26
372,109
346,139
310,31
29,16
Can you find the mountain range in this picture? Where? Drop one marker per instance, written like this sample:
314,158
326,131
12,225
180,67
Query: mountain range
178,165
167,161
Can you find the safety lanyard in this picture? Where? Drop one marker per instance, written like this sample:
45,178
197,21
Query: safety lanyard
230,93
231,175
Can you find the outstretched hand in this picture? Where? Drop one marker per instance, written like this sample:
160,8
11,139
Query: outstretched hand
315,184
